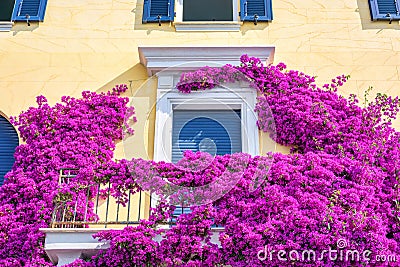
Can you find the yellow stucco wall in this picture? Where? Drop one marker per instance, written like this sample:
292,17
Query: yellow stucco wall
93,45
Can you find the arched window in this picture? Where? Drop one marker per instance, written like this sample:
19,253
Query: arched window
8,143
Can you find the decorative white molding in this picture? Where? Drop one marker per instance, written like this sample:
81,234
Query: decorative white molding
213,26
183,58
5,26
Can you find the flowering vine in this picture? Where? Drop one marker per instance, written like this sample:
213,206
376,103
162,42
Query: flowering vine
76,133
339,183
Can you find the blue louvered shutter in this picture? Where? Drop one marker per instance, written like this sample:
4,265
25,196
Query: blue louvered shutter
261,8
385,9
178,212
34,8
8,143
154,8
217,132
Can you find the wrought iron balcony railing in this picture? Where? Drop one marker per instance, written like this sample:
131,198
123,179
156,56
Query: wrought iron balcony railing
95,207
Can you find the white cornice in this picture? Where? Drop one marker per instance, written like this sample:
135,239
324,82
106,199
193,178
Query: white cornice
157,58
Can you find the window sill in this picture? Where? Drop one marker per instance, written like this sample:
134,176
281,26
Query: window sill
395,18
5,26
214,26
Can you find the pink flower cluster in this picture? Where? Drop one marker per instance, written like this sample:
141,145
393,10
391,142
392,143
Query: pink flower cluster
76,133
208,77
340,182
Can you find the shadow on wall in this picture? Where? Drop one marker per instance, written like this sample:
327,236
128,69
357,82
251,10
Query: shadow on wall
250,26
368,24
21,26
140,86
133,77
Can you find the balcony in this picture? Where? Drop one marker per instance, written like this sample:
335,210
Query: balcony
94,209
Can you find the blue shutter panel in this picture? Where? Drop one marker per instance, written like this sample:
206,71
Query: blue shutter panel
154,8
217,132
8,143
179,210
261,8
34,8
384,9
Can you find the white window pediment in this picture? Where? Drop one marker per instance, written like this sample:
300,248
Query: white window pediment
168,63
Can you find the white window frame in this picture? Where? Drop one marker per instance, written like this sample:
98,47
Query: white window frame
181,25
237,96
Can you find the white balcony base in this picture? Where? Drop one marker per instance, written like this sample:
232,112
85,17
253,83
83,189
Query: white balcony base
65,245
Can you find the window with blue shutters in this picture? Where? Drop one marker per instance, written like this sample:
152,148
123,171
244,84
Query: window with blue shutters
32,10
256,10
206,11
385,9
8,143
158,11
